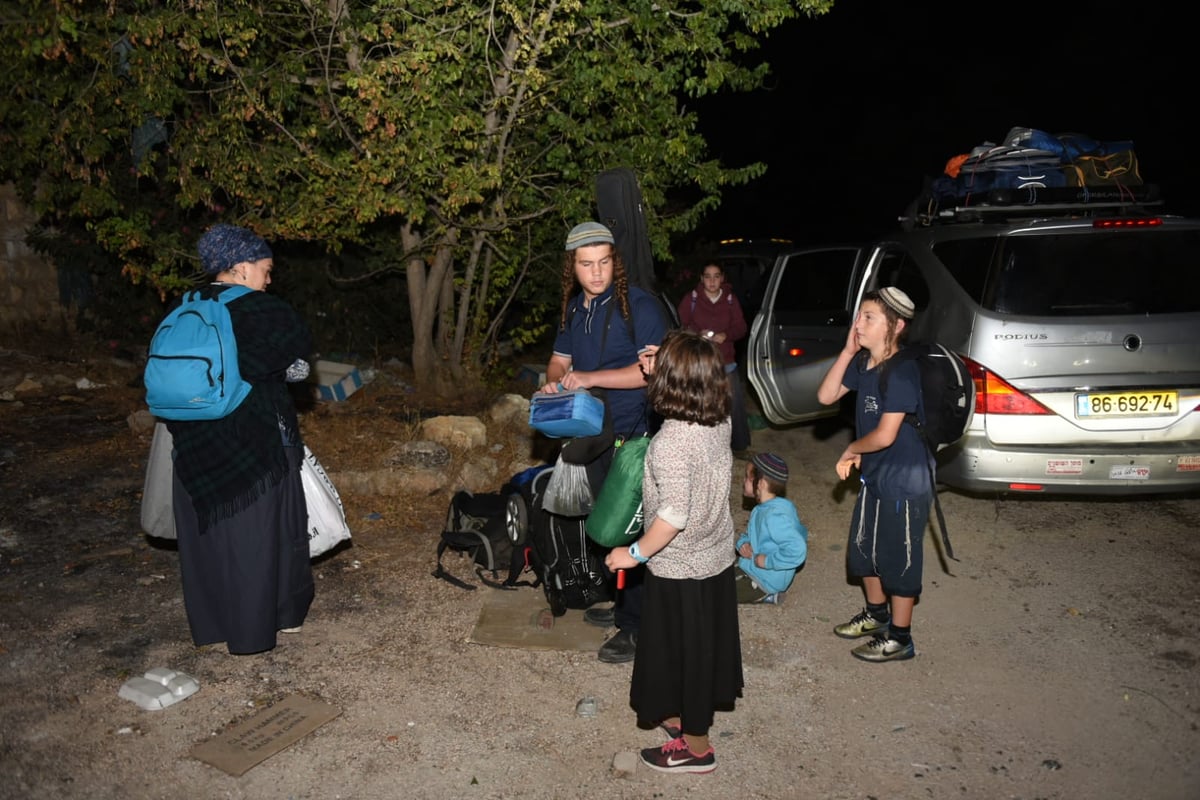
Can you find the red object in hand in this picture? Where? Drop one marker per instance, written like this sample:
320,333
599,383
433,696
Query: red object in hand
620,579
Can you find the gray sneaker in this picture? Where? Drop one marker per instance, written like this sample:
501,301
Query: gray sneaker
882,648
862,624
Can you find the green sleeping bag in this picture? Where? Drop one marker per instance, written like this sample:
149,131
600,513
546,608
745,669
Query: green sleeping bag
616,517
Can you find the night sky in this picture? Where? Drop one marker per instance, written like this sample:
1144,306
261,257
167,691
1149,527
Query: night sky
870,98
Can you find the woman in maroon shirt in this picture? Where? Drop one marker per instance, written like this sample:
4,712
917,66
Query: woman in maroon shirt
713,311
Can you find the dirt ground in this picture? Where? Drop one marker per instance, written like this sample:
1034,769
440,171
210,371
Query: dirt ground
1056,659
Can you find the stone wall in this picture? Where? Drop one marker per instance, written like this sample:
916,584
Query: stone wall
28,282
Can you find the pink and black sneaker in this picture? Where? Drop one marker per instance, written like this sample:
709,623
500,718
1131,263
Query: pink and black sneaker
674,756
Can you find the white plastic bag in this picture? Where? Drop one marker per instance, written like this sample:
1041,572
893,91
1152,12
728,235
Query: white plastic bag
326,518
158,509
568,492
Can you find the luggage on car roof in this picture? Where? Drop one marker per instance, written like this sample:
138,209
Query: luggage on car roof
1031,166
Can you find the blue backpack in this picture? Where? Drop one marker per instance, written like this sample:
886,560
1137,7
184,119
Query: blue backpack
192,371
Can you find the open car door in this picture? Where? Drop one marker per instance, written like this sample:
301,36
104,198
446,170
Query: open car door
800,329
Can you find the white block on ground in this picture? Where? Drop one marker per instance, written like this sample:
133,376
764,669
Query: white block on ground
159,688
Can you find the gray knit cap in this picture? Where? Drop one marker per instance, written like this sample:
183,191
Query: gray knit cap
587,233
224,246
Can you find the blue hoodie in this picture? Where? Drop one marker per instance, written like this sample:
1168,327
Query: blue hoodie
775,530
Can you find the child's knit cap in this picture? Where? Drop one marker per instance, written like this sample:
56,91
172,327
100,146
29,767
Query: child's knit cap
770,466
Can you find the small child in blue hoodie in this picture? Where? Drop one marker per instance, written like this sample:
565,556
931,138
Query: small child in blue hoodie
775,543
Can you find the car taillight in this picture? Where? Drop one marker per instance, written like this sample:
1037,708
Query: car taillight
994,395
1129,222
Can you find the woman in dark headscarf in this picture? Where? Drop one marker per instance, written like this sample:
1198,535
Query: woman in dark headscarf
240,513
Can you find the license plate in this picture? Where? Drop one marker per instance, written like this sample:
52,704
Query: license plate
1129,472
1127,404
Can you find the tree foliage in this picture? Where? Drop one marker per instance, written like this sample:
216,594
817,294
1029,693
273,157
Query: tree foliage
451,143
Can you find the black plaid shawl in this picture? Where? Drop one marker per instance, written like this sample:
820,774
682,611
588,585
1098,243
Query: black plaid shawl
227,464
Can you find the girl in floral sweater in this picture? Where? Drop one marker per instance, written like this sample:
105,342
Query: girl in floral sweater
688,663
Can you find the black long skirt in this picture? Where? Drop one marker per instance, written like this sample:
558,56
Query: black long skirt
689,652
249,575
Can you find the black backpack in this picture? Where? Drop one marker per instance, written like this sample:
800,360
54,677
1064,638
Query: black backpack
475,527
947,393
569,565
948,402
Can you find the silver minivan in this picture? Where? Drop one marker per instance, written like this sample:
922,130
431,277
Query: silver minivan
1080,325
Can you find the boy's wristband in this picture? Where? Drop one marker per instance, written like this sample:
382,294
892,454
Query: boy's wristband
636,553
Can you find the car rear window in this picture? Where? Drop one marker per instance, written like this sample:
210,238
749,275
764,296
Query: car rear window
1082,273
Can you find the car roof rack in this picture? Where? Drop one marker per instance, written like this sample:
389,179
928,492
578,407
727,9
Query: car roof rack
1000,205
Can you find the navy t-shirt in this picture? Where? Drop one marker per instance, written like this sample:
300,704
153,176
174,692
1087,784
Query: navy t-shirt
584,334
902,470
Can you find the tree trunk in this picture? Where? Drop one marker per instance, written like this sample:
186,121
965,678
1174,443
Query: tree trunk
447,352
426,282
469,302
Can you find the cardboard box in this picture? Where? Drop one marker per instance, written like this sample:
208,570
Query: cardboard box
337,381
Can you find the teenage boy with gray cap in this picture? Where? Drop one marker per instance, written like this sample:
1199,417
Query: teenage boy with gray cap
594,349
775,543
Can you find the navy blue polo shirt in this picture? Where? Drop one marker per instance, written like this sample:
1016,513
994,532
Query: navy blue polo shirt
585,334
902,470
